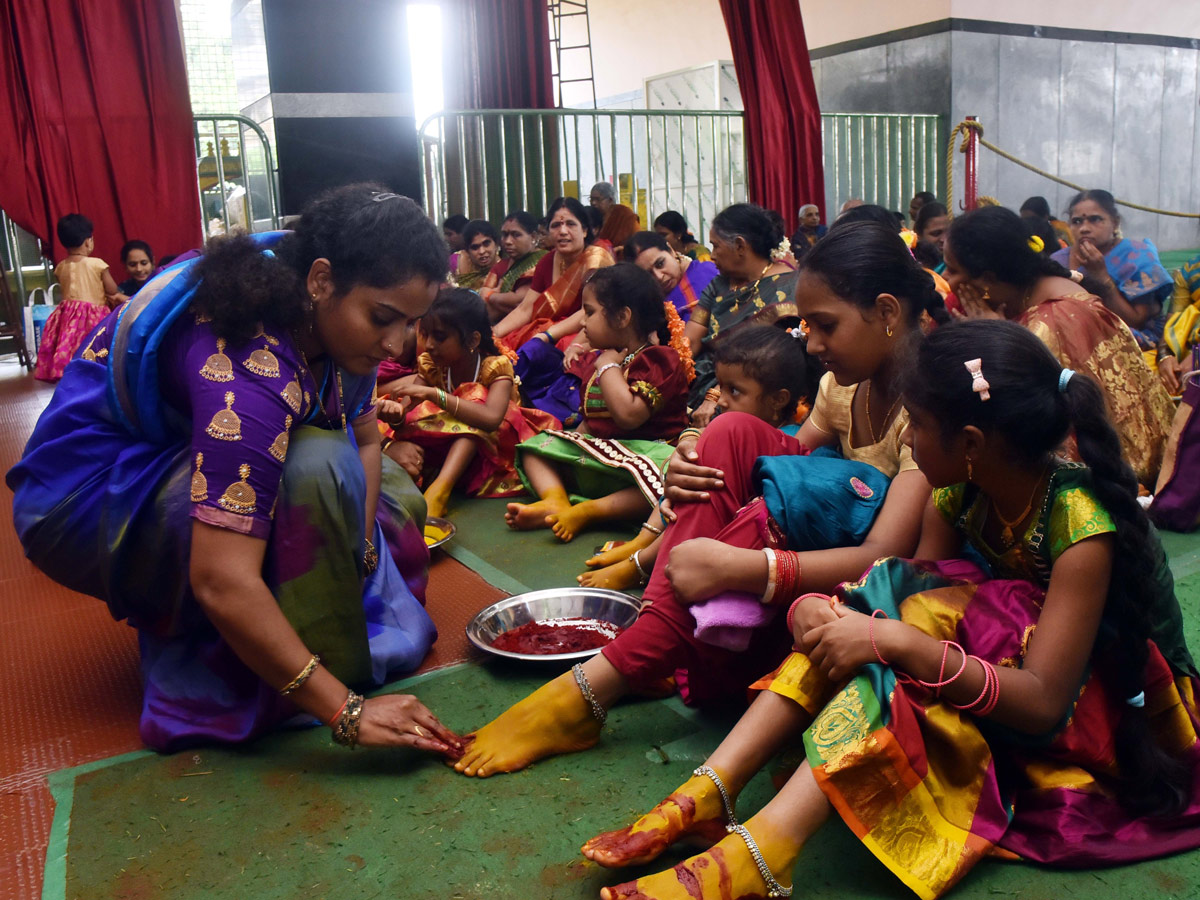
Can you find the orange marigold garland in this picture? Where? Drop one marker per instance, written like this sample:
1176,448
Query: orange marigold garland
506,351
678,342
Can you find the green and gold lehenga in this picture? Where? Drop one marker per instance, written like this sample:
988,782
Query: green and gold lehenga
930,789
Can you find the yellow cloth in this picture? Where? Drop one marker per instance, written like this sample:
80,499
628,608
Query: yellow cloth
832,414
490,369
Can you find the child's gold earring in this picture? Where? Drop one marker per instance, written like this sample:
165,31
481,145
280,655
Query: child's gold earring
986,294
889,331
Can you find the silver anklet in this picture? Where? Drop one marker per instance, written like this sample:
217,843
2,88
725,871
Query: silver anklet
585,688
730,819
637,564
774,888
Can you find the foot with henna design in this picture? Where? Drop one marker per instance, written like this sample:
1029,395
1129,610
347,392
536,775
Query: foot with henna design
726,872
553,719
695,809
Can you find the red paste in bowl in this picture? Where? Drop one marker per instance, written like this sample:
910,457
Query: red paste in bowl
557,636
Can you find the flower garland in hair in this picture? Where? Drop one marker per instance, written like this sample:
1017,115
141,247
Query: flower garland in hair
679,343
506,351
783,251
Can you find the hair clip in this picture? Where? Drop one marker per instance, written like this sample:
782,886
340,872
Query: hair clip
978,383
380,196
1036,244
1064,378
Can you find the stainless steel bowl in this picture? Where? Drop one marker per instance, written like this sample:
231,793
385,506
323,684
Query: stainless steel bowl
446,525
556,603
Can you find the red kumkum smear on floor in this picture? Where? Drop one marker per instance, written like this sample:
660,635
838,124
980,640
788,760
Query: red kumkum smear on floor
557,636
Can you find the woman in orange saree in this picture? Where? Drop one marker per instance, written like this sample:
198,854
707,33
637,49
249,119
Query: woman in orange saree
559,277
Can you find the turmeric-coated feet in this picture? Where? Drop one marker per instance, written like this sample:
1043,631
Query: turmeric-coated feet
616,577
726,872
530,516
437,497
695,809
553,719
572,520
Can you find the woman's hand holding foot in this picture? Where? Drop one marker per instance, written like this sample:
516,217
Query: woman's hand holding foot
553,719
401,720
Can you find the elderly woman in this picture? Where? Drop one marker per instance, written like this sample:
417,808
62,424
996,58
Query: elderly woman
211,470
1130,278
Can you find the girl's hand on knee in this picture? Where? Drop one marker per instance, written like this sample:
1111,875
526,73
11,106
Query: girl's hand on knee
390,411
401,720
687,481
697,568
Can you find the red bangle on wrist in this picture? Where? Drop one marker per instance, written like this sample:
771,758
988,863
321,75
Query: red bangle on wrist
337,715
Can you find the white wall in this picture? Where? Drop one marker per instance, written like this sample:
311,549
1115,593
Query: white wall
635,39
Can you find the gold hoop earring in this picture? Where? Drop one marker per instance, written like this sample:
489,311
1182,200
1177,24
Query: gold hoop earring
970,471
889,331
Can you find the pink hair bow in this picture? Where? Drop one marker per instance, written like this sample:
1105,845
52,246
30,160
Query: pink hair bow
978,383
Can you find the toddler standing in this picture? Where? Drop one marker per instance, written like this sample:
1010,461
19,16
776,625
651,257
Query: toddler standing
88,291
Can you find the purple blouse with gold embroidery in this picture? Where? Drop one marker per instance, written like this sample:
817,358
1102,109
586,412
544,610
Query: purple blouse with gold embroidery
656,375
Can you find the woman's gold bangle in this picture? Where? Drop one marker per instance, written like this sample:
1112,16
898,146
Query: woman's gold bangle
305,674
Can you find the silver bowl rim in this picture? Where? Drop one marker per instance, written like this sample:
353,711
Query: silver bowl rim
449,527
520,599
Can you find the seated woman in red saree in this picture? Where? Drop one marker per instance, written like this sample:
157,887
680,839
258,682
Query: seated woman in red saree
1042,708
558,279
467,418
997,274
861,293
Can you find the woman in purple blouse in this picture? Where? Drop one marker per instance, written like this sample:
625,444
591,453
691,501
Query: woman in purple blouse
210,468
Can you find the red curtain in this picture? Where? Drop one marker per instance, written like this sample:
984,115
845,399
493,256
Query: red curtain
782,116
96,119
496,54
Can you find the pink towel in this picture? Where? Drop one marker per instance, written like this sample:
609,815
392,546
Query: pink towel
728,620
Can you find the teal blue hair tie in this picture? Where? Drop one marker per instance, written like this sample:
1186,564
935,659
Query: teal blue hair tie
1063,378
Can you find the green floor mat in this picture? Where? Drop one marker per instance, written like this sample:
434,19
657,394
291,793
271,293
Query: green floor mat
294,817
1173,259
517,561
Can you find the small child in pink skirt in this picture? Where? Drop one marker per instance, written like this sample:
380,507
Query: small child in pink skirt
89,294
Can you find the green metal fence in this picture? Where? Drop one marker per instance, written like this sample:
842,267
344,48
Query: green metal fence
882,158
485,162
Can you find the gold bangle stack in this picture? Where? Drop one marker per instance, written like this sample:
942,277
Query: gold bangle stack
345,730
712,395
305,674
370,557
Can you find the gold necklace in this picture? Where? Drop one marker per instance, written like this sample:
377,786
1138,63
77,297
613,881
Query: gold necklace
1006,532
886,416
629,357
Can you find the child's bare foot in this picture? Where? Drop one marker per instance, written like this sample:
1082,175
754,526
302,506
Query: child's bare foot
622,552
694,809
437,498
531,516
574,519
553,719
616,577
726,872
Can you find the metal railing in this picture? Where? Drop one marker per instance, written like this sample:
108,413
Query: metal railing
235,175
238,188
485,163
881,158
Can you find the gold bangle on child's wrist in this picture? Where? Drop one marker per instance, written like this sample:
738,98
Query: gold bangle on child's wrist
305,674
712,395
